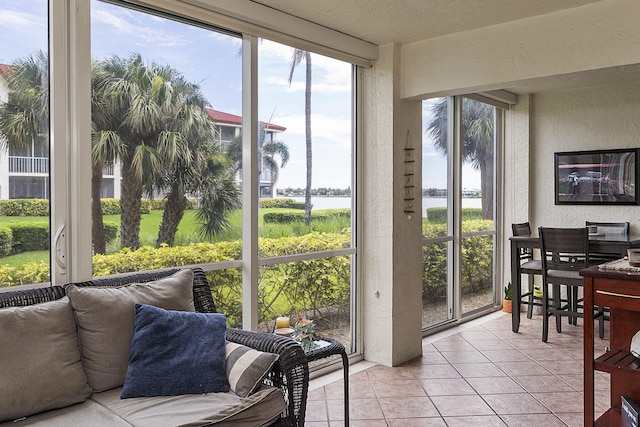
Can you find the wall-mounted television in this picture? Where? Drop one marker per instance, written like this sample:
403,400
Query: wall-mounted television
602,177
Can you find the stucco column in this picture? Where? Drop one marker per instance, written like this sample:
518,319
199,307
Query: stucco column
391,254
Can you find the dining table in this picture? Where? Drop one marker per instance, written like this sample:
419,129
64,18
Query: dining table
615,244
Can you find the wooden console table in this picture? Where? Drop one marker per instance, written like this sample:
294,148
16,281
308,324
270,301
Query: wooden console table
621,293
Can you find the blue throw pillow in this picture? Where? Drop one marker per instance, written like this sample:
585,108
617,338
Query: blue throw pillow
175,352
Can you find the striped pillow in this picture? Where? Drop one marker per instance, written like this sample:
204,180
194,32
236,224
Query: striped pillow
247,367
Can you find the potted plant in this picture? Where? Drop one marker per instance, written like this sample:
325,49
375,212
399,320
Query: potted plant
507,304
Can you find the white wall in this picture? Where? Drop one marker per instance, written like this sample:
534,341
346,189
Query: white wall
594,118
563,44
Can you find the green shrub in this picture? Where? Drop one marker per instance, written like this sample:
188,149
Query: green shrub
29,236
439,215
110,231
477,259
24,207
321,215
6,240
281,203
110,206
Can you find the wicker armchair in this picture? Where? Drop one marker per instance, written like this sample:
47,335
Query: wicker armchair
291,373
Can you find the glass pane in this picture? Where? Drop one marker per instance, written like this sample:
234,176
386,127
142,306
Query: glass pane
477,272
166,102
24,143
316,289
436,294
306,145
478,157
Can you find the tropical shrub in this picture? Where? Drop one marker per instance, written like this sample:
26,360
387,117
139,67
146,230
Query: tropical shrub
24,207
6,240
281,203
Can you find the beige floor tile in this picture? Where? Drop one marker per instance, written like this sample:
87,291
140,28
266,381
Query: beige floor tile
572,401
417,422
434,371
466,356
461,406
475,421
528,420
398,388
495,385
476,370
408,407
506,355
447,387
542,383
521,403
385,373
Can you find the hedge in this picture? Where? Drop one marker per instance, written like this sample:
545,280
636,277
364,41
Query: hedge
30,236
317,286
6,240
281,203
321,215
24,207
439,215
477,259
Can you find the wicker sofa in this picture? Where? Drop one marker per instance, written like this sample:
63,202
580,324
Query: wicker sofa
283,390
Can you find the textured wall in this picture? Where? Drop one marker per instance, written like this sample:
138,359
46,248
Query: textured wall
593,118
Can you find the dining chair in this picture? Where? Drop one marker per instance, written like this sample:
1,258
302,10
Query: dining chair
608,229
564,252
529,266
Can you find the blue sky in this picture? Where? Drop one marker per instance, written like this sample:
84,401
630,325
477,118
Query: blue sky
212,60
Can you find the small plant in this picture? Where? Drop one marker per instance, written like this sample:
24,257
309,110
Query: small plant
507,292
305,333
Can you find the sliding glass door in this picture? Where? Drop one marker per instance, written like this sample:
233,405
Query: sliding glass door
459,200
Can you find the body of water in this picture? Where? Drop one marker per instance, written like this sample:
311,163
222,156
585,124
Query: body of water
345,202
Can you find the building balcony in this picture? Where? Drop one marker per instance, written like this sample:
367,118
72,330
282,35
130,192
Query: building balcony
32,165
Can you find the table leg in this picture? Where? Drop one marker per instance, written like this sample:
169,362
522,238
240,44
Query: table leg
345,368
516,289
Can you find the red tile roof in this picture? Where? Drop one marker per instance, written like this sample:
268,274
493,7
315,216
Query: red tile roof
232,119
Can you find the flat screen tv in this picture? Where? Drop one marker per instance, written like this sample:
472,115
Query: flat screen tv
602,177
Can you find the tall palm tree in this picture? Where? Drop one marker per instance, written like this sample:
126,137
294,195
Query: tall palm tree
477,144
268,154
297,56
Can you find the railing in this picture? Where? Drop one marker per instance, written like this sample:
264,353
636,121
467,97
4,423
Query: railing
20,164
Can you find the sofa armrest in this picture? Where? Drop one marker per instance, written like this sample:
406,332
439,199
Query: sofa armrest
291,373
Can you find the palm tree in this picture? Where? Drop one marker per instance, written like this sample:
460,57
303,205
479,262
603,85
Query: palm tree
148,99
268,154
297,56
24,118
202,170
477,144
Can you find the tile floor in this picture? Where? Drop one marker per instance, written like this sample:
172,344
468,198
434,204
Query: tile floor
479,374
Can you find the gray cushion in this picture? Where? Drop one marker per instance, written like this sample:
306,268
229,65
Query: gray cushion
247,367
40,365
221,409
105,322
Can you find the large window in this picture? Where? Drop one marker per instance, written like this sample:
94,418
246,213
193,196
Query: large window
24,141
152,141
459,197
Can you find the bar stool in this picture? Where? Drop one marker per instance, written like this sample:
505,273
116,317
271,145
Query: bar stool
565,251
530,266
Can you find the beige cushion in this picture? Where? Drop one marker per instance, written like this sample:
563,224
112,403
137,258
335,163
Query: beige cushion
221,409
39,360
105,322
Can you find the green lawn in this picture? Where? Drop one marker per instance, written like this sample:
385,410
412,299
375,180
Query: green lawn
187,231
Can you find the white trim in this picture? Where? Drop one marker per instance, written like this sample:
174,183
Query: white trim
247,17
70,137
250,194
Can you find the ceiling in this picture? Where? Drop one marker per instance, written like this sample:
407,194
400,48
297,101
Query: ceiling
405,21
